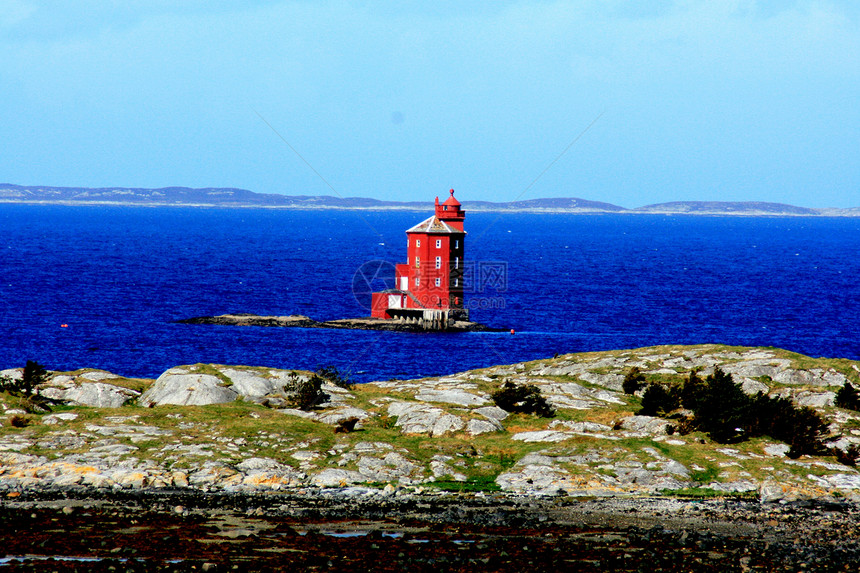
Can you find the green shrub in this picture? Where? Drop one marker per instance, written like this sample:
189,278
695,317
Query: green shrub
34,375
659,400
722,410
305,393
847,397
633,381
849,457
525,399
727,414
692,391
335,376
17,421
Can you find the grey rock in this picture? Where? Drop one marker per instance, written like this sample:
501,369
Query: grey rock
541,436
611,381
250,384
560,402
572,395
815,399
95,394
423,419
299,413
492,413
756,368
337,478
457,397
813,377
305,455
257,465
843,481
645,425
97,375
750,386
440,469
134,433
582,427
266,473
535,459
674,467
372,447
844,443
534,479
54,419
771,491
392,466
334,417
476,427
187,390
211,474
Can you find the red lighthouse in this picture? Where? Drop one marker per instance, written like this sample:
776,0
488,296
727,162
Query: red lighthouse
429,287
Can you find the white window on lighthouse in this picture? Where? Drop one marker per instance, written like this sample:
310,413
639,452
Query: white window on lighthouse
417,242
417,262
438,262
456,282
438,281
456,262
417,281
438,243
457,243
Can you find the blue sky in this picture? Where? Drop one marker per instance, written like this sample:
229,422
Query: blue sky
722,100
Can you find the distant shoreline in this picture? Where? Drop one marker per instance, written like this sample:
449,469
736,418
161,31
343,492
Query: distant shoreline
819,213
234,198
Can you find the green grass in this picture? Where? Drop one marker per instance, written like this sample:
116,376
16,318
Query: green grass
473,484
708,493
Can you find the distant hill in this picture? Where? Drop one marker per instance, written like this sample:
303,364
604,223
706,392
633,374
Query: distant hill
231,197
552,204
727,208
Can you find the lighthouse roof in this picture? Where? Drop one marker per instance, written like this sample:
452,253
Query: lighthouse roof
434,225
452,200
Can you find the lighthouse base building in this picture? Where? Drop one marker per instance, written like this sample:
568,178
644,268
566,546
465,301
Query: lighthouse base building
429,286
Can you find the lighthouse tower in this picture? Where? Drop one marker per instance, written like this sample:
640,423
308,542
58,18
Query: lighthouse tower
429,286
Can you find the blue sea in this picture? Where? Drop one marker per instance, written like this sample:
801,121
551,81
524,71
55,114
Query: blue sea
119,277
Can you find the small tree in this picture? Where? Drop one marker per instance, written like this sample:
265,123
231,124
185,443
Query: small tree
693,391
847,397
34,375
723,410
659,400
633,381
525,399
305,393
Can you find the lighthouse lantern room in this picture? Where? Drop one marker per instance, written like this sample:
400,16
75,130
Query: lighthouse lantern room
429,286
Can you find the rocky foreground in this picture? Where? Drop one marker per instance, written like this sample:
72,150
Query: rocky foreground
208,468
229,428
327,529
